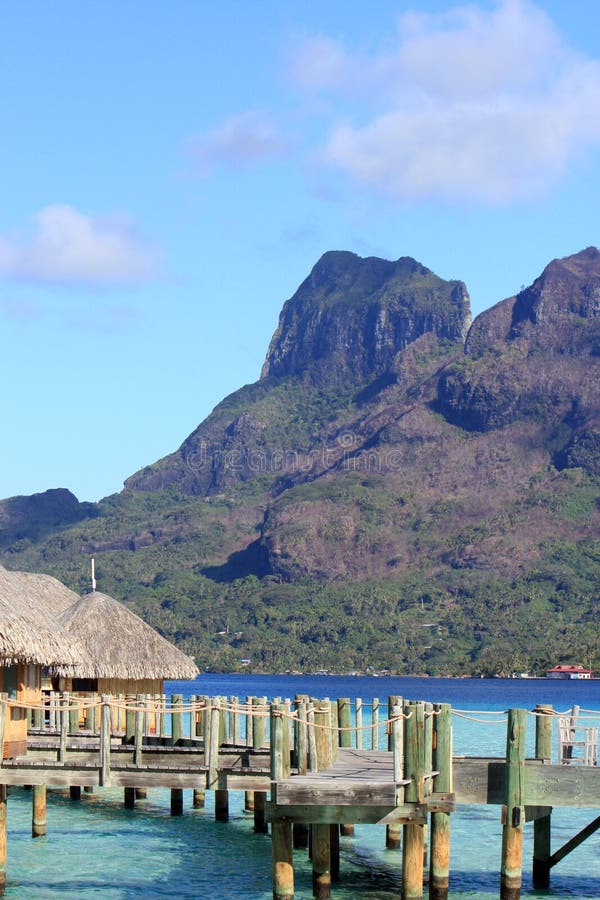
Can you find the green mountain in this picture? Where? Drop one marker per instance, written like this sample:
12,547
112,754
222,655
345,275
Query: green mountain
400,489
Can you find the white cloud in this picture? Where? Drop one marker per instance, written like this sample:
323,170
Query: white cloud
248,138
64,246
490,105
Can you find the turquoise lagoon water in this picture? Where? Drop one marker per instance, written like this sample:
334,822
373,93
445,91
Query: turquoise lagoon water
96,848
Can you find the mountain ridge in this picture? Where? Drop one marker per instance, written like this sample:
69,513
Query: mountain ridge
392,450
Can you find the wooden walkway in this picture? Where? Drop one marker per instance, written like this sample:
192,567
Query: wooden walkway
301,756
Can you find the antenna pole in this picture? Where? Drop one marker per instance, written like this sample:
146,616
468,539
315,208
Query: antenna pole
93,574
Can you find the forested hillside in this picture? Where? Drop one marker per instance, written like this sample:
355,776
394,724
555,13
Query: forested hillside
400,489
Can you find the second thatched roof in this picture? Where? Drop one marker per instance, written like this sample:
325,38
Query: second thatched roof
118,644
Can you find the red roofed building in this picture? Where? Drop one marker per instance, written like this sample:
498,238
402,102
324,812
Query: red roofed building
564,671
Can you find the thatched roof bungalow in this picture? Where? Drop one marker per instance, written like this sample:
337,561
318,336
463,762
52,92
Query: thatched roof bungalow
121,653
29,640
90,644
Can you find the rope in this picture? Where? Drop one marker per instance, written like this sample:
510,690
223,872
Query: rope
480,721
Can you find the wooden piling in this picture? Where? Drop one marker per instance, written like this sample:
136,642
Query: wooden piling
260,818
439,866
38,814
176,718
375,724
283,863
105,733
176,801
358,706
64,726
542,826
345,740
513,812
414,771
75,792
321,861
129,797
221,805
199,798
393,832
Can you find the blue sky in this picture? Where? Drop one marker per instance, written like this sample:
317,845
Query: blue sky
172,172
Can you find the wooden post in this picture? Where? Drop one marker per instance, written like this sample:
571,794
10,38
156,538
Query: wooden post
321,861
105,725
313,763
542,830
375,724
138,730
64,726
393,833
283,863
129,735
322,733
73,716
345,740
334,847
439,866
75,792
176,719
141,793
414,770
176,801
38,816
260,807
513,813
212,747
3,834
359,722
129,797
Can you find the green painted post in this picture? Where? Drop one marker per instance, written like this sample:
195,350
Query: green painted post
513,811
439,867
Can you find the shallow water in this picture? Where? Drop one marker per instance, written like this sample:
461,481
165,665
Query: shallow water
97,848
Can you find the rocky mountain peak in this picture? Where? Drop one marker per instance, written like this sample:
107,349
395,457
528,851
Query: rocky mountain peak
352,315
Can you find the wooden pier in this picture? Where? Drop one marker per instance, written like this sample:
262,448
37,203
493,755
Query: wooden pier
310,758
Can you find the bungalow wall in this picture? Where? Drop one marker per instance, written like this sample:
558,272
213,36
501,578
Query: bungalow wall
21,682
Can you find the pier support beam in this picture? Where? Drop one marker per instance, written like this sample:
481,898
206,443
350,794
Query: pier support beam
38,815
393,832
321,861
283,865
221,806
198,798
260,819
176,802
439,866
542,847
513,813
414,772
281,840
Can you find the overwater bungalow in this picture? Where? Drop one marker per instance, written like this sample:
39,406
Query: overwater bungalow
121,654
90,645
29,641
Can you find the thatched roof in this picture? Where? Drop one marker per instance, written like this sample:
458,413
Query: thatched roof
118,644
27,631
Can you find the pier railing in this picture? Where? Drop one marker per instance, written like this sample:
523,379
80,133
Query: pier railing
324,763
